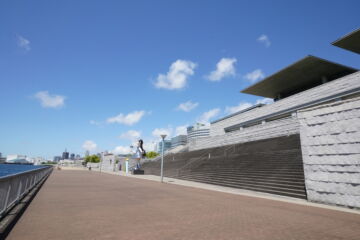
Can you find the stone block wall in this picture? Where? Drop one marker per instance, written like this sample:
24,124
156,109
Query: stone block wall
330,142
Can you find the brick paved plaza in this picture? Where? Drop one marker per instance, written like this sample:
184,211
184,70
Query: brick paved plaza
90,205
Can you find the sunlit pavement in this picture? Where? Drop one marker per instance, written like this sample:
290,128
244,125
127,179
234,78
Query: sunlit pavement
93,205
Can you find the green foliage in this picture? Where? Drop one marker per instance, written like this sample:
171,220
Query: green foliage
151,154
49,163
92,159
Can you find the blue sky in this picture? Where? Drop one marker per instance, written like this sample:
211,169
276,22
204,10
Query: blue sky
98,74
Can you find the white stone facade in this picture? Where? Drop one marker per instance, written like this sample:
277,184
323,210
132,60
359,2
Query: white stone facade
330,142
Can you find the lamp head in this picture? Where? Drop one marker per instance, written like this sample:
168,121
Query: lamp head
163,136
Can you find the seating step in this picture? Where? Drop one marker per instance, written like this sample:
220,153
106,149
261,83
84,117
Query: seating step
250,171
287,187
300,194
251,178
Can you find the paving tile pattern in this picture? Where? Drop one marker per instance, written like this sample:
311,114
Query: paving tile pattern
91,205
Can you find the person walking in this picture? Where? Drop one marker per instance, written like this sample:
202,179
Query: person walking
139,154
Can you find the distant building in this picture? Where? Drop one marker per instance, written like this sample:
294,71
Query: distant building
38,160
87,153
199,130
108,162
167,146
57,158
178,141
2,159
65,155
77,156
72,156
16,158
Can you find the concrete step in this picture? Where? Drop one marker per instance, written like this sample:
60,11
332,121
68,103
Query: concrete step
277,191
244,181
211,164
280,177
251,171
241,168
276,179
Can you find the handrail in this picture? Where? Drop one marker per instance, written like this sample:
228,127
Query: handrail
16,186
22,173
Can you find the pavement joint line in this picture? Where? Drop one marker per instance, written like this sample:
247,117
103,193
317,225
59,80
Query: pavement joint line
229,190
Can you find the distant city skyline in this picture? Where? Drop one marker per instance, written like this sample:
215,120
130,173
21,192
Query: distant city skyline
95,76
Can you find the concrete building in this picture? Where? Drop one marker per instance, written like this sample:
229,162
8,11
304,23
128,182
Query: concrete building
199,130
178,141
108,162
2,159
319,101
280,118
38,160
65,155
17,158
167,146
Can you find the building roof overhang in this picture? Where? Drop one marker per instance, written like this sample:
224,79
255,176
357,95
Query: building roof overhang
350,41
306,73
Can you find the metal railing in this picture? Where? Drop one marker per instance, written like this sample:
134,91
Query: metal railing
14,187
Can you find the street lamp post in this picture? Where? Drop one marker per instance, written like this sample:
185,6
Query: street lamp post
101,160
163,136
128,161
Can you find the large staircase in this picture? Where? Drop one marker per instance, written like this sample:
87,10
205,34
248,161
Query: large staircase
271,166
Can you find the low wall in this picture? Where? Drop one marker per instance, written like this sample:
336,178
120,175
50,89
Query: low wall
284,127
330,142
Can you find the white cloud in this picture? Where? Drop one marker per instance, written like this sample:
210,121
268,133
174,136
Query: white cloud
187,106
264,101
265,40
160,131
131,135
254,75
93,122
50,101
241,106
23,43
244,105
206,116
121,150
177,76
224,68
181,130
89,145
129,119
149,145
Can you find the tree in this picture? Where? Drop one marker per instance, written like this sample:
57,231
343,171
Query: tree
151,154
92,159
